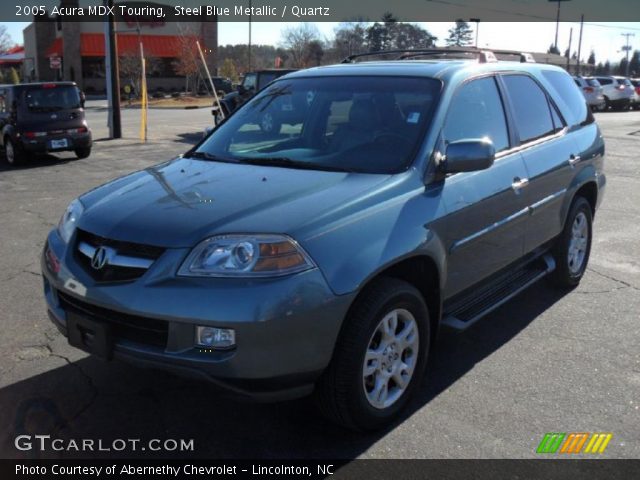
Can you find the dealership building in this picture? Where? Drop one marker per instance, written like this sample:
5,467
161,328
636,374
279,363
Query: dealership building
58,50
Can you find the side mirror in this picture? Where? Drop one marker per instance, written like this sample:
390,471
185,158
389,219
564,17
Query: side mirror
468,155
241,89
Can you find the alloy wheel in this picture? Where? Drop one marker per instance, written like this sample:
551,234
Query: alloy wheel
390,358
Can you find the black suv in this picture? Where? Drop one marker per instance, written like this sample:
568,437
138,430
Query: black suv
37,118
251,84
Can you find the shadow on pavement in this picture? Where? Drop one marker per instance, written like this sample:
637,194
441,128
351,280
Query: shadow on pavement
99,400
37,161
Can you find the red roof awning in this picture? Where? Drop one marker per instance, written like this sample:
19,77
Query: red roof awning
92,45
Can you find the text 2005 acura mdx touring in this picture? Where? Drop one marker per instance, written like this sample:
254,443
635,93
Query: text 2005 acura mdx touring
413,194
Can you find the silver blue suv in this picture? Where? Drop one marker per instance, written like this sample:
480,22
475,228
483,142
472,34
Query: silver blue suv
324,257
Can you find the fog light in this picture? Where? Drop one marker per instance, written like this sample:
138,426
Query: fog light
211,337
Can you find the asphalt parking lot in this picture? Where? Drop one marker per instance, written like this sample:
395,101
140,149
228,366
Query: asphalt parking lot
547,361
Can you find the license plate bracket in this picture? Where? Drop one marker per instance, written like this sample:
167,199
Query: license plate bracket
89,335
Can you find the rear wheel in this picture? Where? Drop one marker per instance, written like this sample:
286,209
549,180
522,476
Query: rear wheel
573,246
82,152
607,103
14,154
379,358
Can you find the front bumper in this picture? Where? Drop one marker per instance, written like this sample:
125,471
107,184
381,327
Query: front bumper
285,327
44,144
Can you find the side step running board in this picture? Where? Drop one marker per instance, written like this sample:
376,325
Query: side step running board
466,311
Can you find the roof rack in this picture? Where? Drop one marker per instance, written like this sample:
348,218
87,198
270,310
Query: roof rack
457,53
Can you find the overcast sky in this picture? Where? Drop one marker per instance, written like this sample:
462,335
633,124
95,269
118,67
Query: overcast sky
603,37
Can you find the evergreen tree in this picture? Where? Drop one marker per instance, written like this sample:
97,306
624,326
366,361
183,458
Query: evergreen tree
460,35
592,58
634,64
553,49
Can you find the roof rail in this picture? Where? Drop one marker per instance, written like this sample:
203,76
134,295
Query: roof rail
483,55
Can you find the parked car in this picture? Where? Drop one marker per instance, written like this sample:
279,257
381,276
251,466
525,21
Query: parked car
414,196
38,118
221,84
252,83
635,101
592,91
617,92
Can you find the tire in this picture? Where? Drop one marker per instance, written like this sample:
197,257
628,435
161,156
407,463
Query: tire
13,153
83,152
573,246
345,393
270,124
607,103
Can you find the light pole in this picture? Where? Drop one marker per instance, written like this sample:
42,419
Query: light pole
477,22
250,11
555,44
627,49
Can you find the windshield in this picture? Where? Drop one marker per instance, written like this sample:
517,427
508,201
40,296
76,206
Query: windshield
52,98
356,124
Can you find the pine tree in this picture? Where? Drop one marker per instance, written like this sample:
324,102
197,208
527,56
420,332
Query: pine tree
553,49
460,35
592,58
634,64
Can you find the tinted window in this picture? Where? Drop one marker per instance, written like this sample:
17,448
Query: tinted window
362,124
531,111
566,92
605,81
592,82
476,112
577,82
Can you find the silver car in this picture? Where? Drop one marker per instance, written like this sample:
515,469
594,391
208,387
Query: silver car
592,91
618,92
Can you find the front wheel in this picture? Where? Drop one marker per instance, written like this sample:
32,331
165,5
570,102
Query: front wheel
379,358
573,246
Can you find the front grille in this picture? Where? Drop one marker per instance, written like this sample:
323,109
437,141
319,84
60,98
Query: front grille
149,331
115,273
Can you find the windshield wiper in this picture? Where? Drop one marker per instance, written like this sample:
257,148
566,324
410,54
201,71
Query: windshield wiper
209,156
290,163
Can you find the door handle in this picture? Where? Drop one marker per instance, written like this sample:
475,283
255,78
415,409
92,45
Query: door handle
519,183
573,159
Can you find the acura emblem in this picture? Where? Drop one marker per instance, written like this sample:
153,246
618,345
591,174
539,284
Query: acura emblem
99,258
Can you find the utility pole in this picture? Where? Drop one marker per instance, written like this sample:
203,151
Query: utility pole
477,22
250,10
111,53
555,44
569,51
627,49
580,41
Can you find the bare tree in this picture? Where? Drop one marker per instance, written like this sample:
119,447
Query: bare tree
5,39
130,67
299,41
188,62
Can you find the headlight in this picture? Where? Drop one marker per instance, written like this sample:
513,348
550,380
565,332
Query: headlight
69,220
246,256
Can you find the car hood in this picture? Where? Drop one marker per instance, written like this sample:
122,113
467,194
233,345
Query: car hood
179,203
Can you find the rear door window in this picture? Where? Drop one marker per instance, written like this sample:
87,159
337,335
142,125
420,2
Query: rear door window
476,111
605,81
531,109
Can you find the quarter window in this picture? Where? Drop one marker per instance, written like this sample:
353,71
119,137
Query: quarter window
579,113
531,110
476,111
